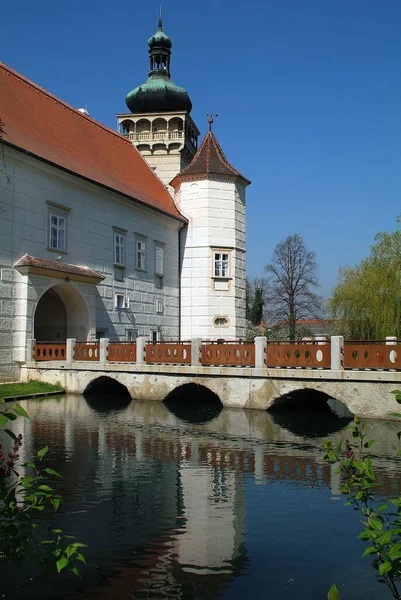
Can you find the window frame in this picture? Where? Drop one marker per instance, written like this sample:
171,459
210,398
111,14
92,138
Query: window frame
125,303
139,266
59,212
122,235
221,252
159,247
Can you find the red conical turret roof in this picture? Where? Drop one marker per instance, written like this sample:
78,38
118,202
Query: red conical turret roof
209,160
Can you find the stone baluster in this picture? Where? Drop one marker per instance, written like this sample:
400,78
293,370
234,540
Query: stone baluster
70,350
103,344
196,345
337,352
30,345
140,350
260,351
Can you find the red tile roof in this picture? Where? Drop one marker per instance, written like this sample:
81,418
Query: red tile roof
209,160
55,265
41,124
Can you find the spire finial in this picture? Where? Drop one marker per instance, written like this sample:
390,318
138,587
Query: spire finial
211,119
160,23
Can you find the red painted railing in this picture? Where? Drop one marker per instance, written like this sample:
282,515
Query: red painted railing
121,352
227,353
305,354
372,355
88,351
49,351
176,353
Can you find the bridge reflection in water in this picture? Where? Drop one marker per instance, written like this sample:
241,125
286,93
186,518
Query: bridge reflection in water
161,502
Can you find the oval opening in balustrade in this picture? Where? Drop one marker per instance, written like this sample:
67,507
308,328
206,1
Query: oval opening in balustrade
307,354
184,353
319,356
393,356
355,354
288,354
297,353
56,352
246,353
366,355
44,351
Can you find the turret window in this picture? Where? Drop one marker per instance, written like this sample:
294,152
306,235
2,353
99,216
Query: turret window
221,264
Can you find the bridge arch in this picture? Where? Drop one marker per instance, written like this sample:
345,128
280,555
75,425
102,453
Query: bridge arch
193,403
104,385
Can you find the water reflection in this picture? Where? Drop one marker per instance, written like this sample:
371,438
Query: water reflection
178,509
193,403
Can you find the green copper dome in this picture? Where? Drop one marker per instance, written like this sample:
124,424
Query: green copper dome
159,39
158,94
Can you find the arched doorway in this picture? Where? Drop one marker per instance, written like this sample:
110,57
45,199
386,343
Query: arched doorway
61,313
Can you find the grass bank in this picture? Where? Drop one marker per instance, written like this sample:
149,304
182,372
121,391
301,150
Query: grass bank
8,390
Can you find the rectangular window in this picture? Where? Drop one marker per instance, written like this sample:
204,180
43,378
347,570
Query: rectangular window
159,260
221,264
155,335
101,333
119,248
57,232
131,335
158,282
121,301
159,306
140,255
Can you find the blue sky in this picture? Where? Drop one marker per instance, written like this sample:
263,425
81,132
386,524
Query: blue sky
308,92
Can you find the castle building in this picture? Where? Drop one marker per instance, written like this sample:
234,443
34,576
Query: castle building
99,241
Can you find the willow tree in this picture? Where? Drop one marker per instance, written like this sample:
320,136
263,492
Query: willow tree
366,302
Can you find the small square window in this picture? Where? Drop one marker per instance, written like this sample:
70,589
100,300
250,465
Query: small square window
101,333
121,301
131,335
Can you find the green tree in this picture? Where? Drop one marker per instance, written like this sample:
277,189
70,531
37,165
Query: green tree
366,302
292,275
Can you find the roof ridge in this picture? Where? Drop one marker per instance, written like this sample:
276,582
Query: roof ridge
62,103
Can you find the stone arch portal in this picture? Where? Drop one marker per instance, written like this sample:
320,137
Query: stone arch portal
61,313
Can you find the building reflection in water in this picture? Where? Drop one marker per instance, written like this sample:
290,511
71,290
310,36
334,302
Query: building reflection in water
161,503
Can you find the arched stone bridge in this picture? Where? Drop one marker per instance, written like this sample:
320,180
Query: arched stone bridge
368,393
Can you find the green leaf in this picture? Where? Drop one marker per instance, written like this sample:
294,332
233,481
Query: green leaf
20,411
61,564
52,472
3,420
369,443
385,567
370,550
376,524
56,503
333,593
43,452
57,531
75,570
45,488
395,415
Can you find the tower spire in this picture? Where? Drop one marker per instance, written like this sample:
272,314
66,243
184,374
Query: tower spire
160,22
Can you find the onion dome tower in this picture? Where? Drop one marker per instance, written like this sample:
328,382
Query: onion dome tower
159,122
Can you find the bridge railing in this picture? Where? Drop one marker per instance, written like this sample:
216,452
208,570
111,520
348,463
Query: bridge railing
377,355
320,353
307,354
88,351
228,353
176,353
50,351
121,352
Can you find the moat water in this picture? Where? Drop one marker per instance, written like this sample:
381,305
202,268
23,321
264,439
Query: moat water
187,504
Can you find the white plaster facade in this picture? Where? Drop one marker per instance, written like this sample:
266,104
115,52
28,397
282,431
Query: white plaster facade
27,191
215,209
